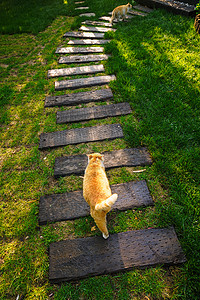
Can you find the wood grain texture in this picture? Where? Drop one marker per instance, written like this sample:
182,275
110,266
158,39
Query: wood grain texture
96,23
91,256
80,135
76,164
81,8
95,29
83,82
95,112
88,35
143,8
69,206
87,15
87,42
77,98
85,70
76,50
78,59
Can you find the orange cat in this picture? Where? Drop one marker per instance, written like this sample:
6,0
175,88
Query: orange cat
97,192
120,11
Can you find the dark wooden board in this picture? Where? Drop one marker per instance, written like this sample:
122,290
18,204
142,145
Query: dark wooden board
80,135
96,29
83,82
95,112
96,23
91,256
76,164
88,35
143,8
77,59
88,42
76,71
77,98
69,206
85,50
175,7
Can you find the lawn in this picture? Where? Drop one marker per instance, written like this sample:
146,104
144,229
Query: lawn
156,62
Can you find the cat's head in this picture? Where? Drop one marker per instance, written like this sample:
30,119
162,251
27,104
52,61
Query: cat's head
129,5
94,157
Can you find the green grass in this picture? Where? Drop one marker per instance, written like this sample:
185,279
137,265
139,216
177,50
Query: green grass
156,61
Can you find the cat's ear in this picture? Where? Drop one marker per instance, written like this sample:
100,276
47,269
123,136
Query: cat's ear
89,156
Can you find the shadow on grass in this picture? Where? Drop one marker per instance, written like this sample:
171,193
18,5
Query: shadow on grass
32,16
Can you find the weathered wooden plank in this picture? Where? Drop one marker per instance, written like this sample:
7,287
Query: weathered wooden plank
71,205
70,50
83,82
87,15
96,29
80,135
96,23
82,58
91,256
88,35
137,13
95,112
175,7
88,42
76,164
79,2
106,18
77,98
76,71
81,8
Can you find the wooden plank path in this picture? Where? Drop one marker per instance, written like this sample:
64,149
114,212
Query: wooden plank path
96,23
90,113
80,135
83,82
76,71
91,256
87,15
78,98
70,50
88,42
88,35
82,58
76,164
72,205
96,29
81,8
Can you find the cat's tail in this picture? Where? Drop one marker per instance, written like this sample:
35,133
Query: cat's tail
112,18
106,204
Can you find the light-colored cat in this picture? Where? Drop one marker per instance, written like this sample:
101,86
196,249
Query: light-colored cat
120,11
97,192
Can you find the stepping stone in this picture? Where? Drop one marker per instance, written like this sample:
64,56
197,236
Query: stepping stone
143,8
76,164
69,206
70,50
173,6
80,2
83,82
90,113
105,18
82,58
137,13
87,42
96,29
80,135
76,71
78,98
88,35
81,8
91,256
87,15
96,23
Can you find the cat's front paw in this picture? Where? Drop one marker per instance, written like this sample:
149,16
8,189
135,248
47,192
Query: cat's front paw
105,236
